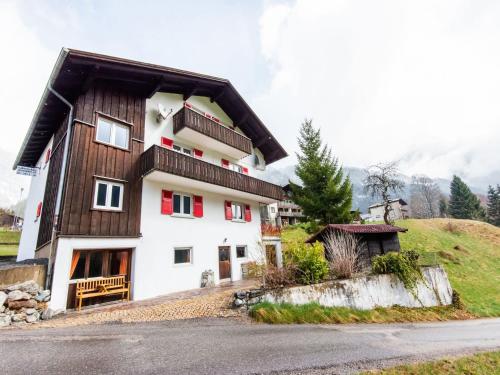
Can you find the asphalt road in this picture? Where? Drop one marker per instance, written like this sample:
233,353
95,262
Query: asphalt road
233,347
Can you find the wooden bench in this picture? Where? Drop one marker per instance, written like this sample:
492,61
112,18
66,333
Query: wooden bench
105,286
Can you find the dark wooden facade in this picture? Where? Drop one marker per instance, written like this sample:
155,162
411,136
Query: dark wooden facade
89,159
158,158
187,118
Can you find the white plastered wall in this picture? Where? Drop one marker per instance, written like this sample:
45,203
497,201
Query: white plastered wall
31,224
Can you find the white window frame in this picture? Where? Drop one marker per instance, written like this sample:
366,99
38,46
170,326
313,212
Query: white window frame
190,248
182,195
242,206
246,251
109,189
235,167
182,149
112,136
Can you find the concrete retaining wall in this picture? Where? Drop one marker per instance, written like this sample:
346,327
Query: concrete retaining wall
369,292
18,273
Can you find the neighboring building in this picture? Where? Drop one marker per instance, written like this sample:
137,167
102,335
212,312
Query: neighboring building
158,183
374,239
398,211
285,212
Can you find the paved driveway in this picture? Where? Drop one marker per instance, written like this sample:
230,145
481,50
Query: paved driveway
225,346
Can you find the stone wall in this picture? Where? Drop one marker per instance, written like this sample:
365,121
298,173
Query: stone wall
362,293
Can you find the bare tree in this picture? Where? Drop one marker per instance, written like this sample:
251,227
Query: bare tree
342,253
424,198
382,180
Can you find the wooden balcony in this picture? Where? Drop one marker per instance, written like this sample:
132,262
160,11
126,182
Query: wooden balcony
197,128
160,159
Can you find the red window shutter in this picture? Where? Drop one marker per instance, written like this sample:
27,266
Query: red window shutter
198,206
248,213
47,155
227,210
216,119
225,163
245,170
39,209
198,153
167,142
166,202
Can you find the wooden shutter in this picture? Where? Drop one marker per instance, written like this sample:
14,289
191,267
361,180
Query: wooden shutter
244,170
47,155
198,206
227,210
166,202
39,209
167,142
248,213
225,163
197,153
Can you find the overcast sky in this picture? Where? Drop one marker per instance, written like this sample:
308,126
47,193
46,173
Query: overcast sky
416,81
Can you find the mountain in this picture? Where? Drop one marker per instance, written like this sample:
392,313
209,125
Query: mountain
360,200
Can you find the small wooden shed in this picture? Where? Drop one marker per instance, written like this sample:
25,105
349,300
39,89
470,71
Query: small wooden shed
374,239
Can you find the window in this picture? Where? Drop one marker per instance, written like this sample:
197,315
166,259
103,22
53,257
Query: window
112,133
108,195
241,251
182,255
237,211
273,210
182,204
182,149
99,263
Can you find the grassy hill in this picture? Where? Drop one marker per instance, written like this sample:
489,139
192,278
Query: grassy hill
9,242
468,250
470,253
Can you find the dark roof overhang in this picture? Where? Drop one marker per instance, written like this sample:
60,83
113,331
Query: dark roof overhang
75,71
356,229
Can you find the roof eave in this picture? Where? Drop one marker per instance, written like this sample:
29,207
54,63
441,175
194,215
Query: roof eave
53,75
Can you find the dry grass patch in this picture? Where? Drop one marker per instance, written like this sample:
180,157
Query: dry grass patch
484,363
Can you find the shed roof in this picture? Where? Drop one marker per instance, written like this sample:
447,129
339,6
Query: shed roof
75,71
357,229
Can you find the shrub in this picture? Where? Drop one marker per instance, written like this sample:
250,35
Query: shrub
308,262
342,253
275,277
401,264
310,227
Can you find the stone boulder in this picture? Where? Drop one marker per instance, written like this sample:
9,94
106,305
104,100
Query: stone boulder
3,298
17,295
5,320
30,287
18,305
33,318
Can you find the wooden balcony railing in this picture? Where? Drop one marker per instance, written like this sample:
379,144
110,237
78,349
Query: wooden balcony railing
186,117
161,159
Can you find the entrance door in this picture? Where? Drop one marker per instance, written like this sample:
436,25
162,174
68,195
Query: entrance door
224,262
271,255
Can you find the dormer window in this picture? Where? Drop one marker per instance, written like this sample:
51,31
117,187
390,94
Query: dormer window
112,133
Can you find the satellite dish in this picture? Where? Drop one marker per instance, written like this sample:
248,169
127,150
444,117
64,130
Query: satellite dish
162,113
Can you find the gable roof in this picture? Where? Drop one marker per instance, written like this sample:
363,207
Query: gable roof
356,229
75,71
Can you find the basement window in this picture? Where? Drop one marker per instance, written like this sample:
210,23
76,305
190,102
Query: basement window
183,255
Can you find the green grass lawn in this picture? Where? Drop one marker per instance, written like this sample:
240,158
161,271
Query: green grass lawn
483,363
9,242
468,250
316,314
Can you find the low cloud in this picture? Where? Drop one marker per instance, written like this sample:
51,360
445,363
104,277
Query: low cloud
411,81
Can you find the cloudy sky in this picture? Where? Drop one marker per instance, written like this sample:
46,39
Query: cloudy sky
415,81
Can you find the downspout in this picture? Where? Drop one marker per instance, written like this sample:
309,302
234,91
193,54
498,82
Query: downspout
48,279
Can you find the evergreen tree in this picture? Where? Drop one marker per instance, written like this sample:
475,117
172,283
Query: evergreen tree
463,203
443,207
493,208
325,195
